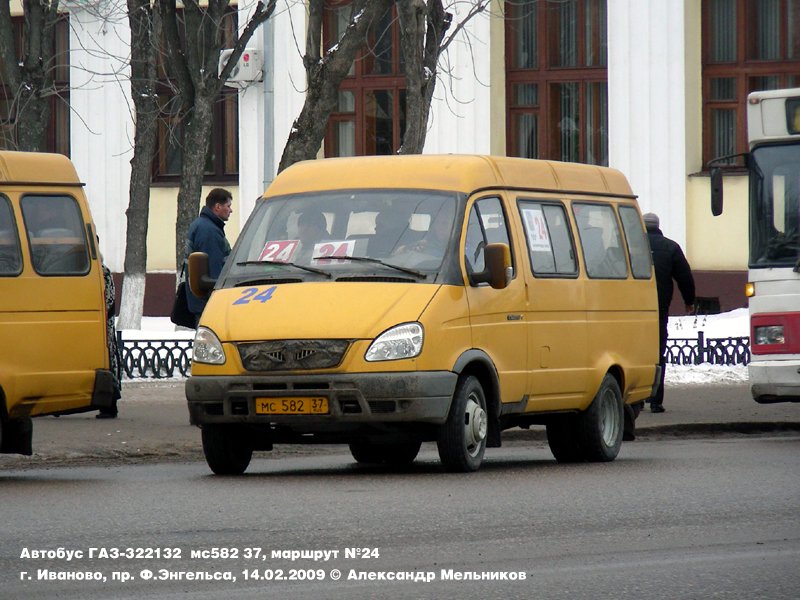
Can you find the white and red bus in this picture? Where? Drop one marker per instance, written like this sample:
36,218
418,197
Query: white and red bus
773,289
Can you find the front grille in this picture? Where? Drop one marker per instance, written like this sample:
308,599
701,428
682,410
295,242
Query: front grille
285,355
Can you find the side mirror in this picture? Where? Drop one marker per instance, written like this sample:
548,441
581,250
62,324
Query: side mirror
199,281
716,191
498,271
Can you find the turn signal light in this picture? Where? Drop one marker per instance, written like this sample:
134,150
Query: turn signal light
749,289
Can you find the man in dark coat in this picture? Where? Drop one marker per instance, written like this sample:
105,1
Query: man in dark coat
669,263
207,234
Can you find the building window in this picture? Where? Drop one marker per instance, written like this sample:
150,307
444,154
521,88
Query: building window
222,160
56,135
747,46
369,118
557,93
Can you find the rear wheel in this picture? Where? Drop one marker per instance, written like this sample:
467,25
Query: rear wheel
602,423
594,435
462,439
398,454
227,451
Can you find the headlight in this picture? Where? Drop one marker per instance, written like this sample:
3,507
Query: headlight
769,334
207,348
401,341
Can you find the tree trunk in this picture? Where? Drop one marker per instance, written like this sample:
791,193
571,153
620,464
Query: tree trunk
324,74
144,24
197,135
422,29
30,79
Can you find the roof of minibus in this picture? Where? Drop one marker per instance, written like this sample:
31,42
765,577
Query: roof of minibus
36,168
449,172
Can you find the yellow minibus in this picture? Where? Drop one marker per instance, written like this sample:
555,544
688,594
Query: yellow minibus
53,349
383,302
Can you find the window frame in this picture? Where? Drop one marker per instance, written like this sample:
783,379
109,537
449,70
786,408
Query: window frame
743,70
473,206
224,144
548,77
360,83
620,237
567,221
82,230
621,208
57,132
5,204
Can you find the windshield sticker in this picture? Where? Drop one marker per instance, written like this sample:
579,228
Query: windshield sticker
536,228
324,252
279,250
255,294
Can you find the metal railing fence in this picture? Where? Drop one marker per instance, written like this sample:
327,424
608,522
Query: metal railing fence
166,359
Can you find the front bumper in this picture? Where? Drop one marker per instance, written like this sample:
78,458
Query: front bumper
353,398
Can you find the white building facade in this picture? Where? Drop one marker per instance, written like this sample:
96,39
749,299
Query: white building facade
655,96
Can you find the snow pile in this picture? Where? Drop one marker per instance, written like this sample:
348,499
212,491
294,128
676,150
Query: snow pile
726,325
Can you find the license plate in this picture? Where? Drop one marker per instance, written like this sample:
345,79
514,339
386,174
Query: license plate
291,406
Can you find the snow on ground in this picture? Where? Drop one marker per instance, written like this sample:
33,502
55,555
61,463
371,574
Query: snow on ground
730,324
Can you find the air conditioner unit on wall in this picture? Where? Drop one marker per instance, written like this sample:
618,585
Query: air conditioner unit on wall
249,67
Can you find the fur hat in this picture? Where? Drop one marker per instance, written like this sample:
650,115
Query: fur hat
650,220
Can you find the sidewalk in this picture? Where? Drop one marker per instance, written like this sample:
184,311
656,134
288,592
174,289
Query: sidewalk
153,426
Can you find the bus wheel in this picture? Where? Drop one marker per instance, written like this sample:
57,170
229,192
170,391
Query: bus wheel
602,423
368,453
227,451
462,439
563,437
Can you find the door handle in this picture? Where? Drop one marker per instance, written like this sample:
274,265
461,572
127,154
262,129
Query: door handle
513,317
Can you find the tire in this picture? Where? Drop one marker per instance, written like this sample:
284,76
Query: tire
227,451
462,439
595,435
399,454
563,437
602,423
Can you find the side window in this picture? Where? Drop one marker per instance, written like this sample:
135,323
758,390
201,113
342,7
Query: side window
638,246
549,241
486,225
603,254
56,235
10,254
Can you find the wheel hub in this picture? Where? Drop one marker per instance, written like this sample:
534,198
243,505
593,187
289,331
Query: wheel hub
477,425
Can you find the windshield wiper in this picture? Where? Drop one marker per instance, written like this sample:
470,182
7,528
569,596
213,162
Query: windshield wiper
377,261
277,262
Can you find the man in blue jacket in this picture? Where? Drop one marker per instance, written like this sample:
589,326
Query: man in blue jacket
207,234
669,263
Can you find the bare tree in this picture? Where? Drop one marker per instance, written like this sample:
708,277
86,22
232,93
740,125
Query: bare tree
145,26
29,71
325,73
193,44
423,26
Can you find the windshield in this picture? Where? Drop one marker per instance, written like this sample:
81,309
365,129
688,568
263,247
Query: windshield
775,206
355,234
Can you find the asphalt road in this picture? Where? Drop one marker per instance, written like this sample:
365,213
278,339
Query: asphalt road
670,518
153,426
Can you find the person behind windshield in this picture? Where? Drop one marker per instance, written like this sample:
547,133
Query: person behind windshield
389,228
435,241
312,228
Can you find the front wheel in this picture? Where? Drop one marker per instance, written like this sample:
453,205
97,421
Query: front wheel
462,439
398,454
227,451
